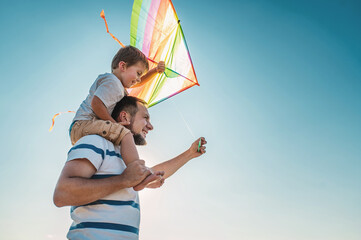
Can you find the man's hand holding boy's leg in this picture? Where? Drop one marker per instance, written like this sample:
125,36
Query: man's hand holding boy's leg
154,180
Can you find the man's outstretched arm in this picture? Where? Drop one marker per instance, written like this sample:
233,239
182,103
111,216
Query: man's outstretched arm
171,166
75,187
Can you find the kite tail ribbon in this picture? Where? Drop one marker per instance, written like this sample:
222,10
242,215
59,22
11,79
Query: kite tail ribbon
53,120
102,15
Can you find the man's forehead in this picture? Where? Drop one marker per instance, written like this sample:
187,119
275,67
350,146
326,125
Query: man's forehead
143,109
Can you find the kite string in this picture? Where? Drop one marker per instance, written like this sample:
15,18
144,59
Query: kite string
185,122
190,130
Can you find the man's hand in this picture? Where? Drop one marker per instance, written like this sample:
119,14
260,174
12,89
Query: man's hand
75,186
172,165
135,173
154,180
160,67
193,150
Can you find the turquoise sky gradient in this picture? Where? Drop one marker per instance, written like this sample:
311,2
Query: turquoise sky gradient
279,103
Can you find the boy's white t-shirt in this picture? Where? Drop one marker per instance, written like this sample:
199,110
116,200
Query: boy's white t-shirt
109,89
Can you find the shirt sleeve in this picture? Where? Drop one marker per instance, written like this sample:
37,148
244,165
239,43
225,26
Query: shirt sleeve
110,91
90,147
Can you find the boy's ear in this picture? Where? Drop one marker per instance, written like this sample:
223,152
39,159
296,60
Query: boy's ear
122,65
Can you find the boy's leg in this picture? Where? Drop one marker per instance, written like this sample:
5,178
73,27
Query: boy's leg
128,150
113,132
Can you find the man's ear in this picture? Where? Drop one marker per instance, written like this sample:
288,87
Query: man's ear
124,118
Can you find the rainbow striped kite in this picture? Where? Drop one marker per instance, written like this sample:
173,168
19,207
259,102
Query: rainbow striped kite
155,29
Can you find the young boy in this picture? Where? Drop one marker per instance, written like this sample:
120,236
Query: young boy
94,114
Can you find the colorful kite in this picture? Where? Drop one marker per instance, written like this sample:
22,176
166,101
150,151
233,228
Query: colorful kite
155,29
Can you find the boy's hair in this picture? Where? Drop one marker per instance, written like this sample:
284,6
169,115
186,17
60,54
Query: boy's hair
127,104
131,56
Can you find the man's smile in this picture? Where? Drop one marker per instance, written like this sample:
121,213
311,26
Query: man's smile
145,132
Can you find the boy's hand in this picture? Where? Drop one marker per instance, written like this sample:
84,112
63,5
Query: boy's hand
158,182
153,180
160,67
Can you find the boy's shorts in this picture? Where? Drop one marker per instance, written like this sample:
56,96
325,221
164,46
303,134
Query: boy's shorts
113,132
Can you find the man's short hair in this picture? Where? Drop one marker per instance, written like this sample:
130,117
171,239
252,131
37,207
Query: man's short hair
127,104
131,56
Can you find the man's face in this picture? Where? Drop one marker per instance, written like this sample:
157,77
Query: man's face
140,125
131,75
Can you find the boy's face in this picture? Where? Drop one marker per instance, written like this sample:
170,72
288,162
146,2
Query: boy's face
131,75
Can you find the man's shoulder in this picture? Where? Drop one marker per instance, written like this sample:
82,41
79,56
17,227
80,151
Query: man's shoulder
91,146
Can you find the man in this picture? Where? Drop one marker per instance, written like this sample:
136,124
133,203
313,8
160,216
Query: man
98,185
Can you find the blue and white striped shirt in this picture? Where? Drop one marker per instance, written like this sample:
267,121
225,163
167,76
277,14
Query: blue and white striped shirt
116,216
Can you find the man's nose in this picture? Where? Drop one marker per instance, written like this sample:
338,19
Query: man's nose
150,126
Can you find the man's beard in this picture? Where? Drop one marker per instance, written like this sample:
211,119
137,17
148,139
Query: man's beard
139,139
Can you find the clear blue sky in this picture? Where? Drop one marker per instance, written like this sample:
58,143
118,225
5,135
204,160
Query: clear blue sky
279,104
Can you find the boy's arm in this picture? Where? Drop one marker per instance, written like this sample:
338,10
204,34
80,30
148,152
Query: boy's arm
100,109
150,74
75,187
171,166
